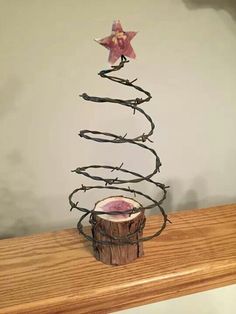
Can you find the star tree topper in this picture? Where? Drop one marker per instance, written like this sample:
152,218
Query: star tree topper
118,43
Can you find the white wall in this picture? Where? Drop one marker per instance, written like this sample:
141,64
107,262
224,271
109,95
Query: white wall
185,56
216,301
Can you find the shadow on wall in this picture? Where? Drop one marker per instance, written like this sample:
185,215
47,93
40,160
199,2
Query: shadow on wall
178,198
21,211
195,196
17,213
226,5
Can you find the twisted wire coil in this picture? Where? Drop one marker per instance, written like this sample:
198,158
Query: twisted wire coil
104,137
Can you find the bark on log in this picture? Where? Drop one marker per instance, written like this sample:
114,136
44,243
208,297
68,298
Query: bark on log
118,226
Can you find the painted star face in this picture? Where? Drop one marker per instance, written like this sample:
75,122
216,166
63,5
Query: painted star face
119,39
118,43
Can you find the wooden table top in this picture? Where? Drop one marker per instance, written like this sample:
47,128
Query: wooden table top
56,273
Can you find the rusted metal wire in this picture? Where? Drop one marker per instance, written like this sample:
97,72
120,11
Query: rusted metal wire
111,183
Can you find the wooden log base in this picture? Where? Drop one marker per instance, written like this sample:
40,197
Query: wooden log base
117,226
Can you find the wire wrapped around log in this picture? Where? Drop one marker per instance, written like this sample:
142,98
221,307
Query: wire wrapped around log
104,137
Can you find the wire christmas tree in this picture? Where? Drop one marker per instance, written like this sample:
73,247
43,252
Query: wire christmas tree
118,222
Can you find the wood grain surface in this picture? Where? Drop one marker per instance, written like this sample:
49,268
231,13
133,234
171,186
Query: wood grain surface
56,272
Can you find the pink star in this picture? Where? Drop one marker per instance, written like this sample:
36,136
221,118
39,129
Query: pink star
118,43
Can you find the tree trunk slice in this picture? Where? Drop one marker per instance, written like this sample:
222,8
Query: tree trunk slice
118,226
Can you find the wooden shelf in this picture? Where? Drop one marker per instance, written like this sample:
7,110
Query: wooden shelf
56,273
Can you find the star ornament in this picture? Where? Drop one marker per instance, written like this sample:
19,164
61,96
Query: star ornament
118,43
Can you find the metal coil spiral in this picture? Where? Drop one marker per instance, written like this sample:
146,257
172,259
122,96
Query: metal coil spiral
111,183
